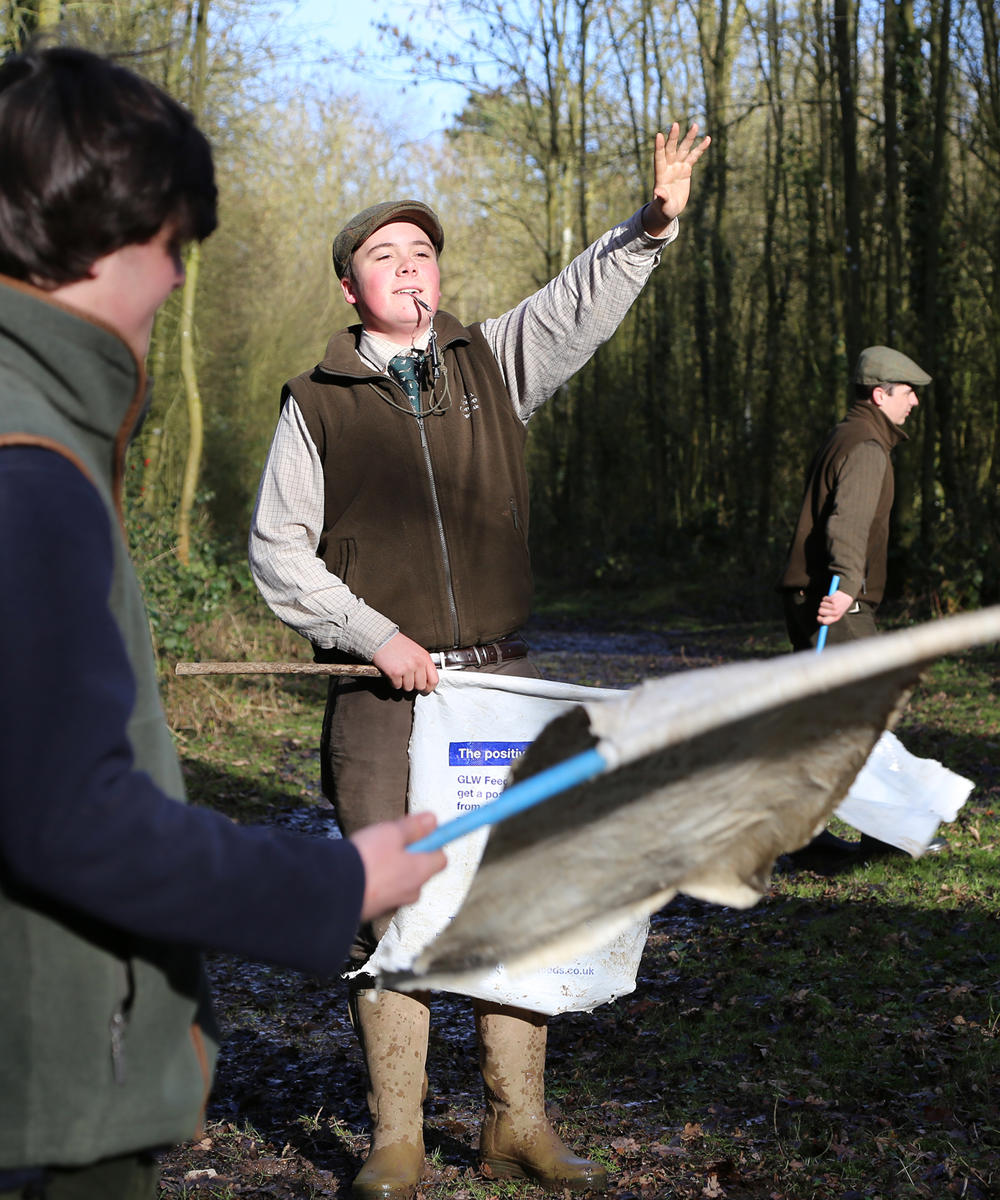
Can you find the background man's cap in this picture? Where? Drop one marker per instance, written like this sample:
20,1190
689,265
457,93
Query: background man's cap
363,225
880,365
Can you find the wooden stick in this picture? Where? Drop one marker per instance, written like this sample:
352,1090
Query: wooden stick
274,668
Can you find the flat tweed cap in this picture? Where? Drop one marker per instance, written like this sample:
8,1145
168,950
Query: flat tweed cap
880,365
362,226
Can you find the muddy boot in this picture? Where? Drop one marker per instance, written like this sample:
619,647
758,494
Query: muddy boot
392,1028
517,1141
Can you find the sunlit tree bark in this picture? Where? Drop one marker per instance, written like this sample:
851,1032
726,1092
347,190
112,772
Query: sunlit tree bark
196,418
718,36
843,44
776,265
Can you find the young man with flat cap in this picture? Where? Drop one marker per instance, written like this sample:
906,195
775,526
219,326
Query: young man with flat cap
391,527
843,530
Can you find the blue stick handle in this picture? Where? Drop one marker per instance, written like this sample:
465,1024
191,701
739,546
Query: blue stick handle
532,790
824,629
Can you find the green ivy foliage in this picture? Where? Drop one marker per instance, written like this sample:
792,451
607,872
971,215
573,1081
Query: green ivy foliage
180,599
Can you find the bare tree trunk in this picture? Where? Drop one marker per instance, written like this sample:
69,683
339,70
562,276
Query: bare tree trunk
935,305
189,373
196,420
988,91
823,225
717,40
582,85
894,277
844,46
49,12
765,441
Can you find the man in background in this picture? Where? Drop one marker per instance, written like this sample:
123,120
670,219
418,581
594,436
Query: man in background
843,525
843,530
108,882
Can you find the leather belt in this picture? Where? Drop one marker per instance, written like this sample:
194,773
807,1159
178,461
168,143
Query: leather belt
482,656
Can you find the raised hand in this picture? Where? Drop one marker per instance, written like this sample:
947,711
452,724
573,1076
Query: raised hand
673,162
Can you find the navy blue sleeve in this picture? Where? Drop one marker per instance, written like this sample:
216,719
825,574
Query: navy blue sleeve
78,823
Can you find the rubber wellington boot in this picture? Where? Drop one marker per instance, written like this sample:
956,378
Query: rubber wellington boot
517,1141
392,1028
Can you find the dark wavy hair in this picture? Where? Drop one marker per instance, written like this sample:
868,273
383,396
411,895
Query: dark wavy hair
92,158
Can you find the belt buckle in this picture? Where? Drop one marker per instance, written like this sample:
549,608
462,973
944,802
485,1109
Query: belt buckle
482,658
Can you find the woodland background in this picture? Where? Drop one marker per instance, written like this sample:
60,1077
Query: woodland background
840,1041
850,197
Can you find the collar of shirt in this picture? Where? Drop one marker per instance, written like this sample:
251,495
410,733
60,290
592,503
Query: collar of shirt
377,351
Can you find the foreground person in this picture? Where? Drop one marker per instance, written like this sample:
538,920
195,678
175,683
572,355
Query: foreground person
108,883
391,526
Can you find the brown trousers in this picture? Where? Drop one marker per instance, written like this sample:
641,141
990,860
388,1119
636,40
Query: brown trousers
365,765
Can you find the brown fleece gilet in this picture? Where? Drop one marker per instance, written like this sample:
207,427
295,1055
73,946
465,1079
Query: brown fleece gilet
425,519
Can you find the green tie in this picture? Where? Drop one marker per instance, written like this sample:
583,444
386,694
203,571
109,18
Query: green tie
405,369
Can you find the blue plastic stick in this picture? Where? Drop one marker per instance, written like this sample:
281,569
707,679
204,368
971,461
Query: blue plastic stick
824,629
532,790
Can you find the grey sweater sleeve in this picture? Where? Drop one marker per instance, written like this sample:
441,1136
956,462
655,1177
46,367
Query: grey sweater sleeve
549,336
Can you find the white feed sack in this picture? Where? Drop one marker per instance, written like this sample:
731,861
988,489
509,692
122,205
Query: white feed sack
466,735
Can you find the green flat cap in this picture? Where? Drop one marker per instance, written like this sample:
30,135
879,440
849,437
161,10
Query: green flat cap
880,365
362,226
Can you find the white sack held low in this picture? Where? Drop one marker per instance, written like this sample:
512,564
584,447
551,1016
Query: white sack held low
901,799
466,734
710,776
